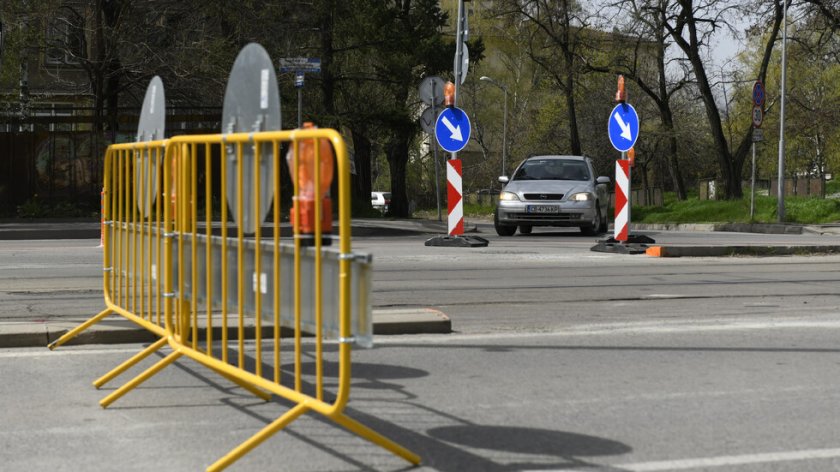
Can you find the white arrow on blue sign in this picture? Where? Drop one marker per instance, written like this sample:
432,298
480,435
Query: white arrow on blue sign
623,127
452,129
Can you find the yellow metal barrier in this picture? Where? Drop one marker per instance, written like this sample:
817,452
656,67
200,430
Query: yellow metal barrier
131,238
213,291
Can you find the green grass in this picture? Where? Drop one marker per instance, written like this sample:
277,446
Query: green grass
805,210
832,186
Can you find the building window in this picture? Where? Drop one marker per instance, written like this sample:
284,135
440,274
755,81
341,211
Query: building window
56,110
65,42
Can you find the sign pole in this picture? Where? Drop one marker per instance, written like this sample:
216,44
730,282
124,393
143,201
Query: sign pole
757,118
452,131
300,66
299,85
752,184
623,130
459,51
432,93
434,144
629,191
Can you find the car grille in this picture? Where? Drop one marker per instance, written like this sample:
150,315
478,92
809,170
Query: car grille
543,196
550,217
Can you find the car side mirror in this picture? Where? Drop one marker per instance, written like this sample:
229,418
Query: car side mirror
504,179
602,180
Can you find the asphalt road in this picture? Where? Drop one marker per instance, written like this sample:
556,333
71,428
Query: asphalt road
563,359
758,396
554,282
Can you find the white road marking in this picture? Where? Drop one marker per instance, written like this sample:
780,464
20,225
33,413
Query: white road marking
43,352
622,328
719,461
728,461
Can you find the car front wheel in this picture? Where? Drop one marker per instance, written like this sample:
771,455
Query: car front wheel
502,230
593,228
604,227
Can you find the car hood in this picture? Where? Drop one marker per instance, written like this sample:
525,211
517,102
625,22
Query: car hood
548,186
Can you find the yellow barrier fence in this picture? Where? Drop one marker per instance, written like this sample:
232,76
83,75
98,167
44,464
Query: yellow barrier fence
132,241
226,295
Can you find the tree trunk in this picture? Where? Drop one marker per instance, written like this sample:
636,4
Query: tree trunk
731,182
397,153
362,185
666,116
673,162
326,25
574,135
571,73
111,69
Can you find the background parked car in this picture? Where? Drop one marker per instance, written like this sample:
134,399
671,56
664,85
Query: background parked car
553,191
380,200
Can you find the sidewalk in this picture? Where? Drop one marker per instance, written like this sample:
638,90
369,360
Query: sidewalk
115,329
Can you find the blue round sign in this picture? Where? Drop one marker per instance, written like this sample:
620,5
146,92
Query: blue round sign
452,129
623,127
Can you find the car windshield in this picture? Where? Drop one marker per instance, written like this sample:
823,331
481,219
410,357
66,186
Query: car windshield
552,169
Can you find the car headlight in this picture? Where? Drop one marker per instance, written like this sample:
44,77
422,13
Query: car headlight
582,197
508,196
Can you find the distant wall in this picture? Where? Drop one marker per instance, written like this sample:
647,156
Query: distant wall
710,189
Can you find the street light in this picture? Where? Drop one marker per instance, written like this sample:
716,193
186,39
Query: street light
780,202
504,119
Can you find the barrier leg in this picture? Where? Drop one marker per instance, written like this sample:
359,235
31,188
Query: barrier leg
129,363
376,438
258,438
78,329
105,402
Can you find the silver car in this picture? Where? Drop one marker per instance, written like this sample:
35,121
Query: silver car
553,191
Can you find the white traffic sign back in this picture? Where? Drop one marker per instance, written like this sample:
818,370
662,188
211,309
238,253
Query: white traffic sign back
623,127
452,129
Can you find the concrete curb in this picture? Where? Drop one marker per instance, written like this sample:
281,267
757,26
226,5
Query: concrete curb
118,330
762,228
720,251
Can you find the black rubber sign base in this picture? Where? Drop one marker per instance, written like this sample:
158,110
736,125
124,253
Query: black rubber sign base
635,244
457,241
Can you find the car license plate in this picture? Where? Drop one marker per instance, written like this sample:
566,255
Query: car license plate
542,209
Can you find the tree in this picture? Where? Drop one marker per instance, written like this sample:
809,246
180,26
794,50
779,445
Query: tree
691,24
382,52
557,32
647,65
811,97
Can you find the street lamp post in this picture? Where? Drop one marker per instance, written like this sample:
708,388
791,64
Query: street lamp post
504,120
780,202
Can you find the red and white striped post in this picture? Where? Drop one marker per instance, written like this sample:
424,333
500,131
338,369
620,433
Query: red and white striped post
622,199
454,197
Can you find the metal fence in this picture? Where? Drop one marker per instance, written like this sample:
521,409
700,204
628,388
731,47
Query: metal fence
55,155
